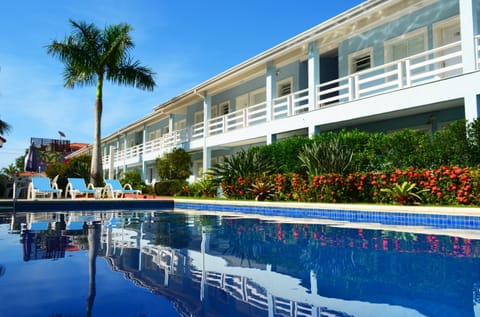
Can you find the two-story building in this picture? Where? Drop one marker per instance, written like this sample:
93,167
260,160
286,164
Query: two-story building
383,65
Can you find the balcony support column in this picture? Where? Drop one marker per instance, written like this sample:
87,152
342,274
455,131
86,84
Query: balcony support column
468,27
312,130
125,142
144,164
472,103
207,110
171,118
313,75
270,89
111,167
271,138
207,159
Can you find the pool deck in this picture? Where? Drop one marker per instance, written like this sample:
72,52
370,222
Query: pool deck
169,202
396,215
85,204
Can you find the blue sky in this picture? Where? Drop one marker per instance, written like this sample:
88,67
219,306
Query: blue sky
184,42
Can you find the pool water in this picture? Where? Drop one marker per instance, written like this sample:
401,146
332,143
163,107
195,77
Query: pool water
187,263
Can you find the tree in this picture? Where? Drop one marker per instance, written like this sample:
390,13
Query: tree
91,56
4,127
174,165
10,171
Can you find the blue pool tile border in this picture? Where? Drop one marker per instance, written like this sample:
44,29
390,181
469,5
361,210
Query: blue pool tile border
350,215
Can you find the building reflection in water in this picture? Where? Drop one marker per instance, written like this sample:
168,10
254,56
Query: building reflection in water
217,266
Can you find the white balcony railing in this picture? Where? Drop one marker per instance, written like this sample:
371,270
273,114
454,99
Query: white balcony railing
155,147
428,66
439,63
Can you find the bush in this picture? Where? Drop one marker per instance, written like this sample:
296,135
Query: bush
284,154
175,165
169,187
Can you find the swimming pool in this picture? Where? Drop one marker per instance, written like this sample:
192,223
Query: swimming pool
190,263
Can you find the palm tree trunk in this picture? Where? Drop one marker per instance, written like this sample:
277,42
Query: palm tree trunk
96,172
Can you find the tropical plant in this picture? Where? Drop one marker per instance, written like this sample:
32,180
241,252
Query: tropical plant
237,171
92,55
330,156
405,193
10,171
262,189
207,187
131,177
175,165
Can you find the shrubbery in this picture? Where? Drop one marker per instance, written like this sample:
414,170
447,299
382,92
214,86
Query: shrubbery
407,167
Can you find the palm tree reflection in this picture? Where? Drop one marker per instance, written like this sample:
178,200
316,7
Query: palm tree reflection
93,245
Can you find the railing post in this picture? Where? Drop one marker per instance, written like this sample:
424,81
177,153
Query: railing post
400,74
477,62
408,75
245,118
224,124
356,83
290,105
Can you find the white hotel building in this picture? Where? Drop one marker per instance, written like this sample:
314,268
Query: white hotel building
380,66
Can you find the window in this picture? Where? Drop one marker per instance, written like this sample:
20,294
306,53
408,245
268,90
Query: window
151,135
284,87
224,108
198,117
406,45
180,125
360,60
258,96
241,102
250,99
220,109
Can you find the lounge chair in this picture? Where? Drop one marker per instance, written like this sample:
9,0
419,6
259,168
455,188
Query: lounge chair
114,189
40,186
77,186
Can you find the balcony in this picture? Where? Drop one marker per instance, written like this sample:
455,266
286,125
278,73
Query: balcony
429,66
150,150
432,65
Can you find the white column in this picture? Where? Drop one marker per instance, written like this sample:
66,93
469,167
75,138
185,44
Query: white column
144,164
312,130
471,107
313,75
111,168
207,153
170,123
468,26
271,138
270,89
125,149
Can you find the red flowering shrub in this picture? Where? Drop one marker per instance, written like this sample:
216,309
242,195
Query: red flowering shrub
446,185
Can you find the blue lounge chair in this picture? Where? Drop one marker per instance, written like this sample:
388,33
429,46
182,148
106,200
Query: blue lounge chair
114,189
41,186
77,186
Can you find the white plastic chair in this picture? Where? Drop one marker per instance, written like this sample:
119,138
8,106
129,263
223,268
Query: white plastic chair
115,190
77,186
41,186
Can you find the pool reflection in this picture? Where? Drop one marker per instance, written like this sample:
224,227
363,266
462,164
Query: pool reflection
212,265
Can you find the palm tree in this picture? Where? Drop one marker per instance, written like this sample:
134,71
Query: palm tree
91,56
9,171
4,127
